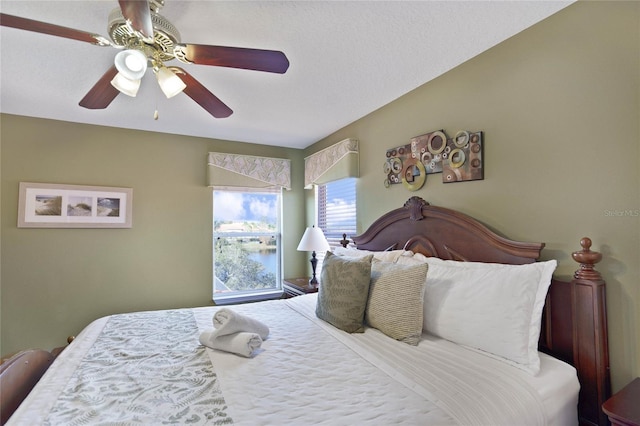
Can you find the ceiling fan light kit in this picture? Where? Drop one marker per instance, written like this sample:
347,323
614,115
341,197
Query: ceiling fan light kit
131,63
169,82
125,85
148,37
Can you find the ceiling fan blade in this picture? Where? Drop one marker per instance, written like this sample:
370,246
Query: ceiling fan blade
102,93
138,14
237,57
207,100
51,29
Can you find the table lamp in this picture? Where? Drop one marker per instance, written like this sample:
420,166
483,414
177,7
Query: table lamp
313,240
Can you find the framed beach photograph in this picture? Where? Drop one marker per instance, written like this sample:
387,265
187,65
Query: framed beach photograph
47,205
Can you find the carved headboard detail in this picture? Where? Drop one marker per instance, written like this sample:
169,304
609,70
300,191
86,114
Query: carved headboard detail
444,233
420,244
415,205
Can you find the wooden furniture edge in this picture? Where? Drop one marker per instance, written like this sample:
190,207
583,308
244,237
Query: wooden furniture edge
590,336
18,375
622,408
293,287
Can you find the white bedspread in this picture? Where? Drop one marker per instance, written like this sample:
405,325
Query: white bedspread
308,372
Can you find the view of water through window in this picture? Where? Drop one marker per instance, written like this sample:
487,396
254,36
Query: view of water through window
268,258
246,239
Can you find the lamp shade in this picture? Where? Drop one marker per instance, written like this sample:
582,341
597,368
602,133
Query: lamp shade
125,85
313,240
131,63
169,82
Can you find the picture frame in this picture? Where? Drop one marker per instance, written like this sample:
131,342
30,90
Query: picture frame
49,205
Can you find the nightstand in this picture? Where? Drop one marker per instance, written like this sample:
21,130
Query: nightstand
623,408
298,286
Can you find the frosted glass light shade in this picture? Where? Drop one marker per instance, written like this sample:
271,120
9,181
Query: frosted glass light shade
131,63
313,240
169,82
126,86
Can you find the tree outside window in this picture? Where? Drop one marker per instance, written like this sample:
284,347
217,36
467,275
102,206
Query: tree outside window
246,243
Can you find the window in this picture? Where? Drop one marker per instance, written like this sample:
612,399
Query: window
246,244
336,211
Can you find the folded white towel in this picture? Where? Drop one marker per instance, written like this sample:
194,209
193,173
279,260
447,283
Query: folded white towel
227,322
241,343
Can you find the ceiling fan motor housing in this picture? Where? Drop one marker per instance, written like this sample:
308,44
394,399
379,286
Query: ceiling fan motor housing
165,34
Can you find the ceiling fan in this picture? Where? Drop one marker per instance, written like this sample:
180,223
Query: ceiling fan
146,38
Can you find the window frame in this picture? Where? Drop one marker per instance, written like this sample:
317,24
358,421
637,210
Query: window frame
221,298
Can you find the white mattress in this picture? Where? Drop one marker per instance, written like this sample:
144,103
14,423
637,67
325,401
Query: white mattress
308,372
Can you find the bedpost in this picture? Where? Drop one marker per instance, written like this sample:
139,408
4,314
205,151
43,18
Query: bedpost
590,342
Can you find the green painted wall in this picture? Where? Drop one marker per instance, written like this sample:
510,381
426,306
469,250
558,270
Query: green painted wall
559,105
55,281
560,108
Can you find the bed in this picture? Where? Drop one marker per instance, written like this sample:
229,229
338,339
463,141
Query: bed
150,367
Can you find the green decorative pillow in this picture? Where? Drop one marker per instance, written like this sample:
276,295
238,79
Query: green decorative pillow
396,300
343,292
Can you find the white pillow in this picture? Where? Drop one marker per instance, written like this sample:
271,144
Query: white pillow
382,256
492,307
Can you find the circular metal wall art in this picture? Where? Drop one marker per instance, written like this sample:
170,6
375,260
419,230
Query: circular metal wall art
413,175
457,158
396,165
437,142
461,139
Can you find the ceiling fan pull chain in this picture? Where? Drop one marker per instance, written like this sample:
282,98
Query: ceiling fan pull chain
155,113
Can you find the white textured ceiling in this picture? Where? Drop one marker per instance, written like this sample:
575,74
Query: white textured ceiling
348,58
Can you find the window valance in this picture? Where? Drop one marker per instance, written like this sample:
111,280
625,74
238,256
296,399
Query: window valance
248,171
332,163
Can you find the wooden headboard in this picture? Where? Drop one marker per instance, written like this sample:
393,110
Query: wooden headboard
574,323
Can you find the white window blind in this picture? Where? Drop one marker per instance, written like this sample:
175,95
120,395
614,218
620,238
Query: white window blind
336,212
